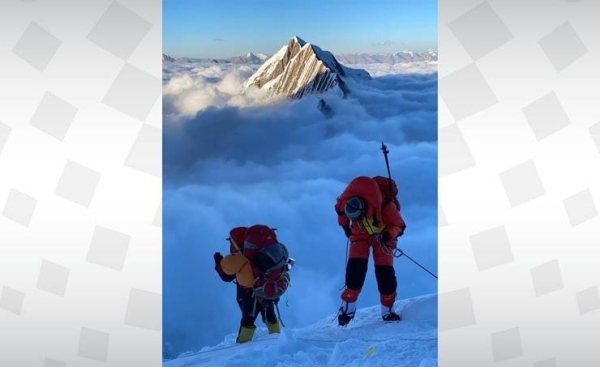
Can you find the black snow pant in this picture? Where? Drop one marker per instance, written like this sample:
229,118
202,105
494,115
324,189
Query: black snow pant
251,307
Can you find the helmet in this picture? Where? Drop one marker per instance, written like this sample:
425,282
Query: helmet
354,208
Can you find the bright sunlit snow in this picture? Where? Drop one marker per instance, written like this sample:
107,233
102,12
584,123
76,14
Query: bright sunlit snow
367,341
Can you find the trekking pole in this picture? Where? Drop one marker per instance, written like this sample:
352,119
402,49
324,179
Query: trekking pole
344,286
408,257
385,151
346,264
279,314
347,249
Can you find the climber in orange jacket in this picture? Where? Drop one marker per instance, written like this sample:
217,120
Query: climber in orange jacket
371,223
236,266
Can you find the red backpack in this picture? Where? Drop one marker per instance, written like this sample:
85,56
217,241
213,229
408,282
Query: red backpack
269,259
389,190
367,189
236,239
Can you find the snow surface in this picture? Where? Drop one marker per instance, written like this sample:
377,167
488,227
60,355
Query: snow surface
366,341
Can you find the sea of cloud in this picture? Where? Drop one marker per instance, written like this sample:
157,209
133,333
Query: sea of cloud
237,158
416,67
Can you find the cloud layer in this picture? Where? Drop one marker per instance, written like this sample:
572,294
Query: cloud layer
232,158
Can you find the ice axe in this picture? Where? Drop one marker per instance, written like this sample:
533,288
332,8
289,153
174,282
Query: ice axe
385,151
398,252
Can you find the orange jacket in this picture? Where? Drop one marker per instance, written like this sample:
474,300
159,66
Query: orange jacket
239,265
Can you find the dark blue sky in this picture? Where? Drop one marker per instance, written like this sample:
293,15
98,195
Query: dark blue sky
225,28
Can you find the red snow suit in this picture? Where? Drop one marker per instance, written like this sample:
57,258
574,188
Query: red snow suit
381,220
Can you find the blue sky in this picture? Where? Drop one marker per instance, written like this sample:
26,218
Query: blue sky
213,28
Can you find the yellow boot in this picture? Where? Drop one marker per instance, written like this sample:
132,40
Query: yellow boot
273,327
245,334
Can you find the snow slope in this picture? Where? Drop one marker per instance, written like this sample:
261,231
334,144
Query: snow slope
367,341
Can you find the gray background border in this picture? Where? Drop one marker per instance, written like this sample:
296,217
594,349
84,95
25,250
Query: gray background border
519,188
519,185
80,167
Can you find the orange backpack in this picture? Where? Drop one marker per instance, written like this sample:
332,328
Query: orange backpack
389,190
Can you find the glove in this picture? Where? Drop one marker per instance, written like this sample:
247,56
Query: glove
218,257
347,231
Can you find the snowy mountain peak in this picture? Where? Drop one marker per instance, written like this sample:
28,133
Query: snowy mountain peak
167,58
301,68
431,55
298,40
252,56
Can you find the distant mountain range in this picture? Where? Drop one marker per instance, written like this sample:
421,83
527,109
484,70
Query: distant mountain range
395,58
250,58
401,57
301,68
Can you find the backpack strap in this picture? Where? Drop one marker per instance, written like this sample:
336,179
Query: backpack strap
235,245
